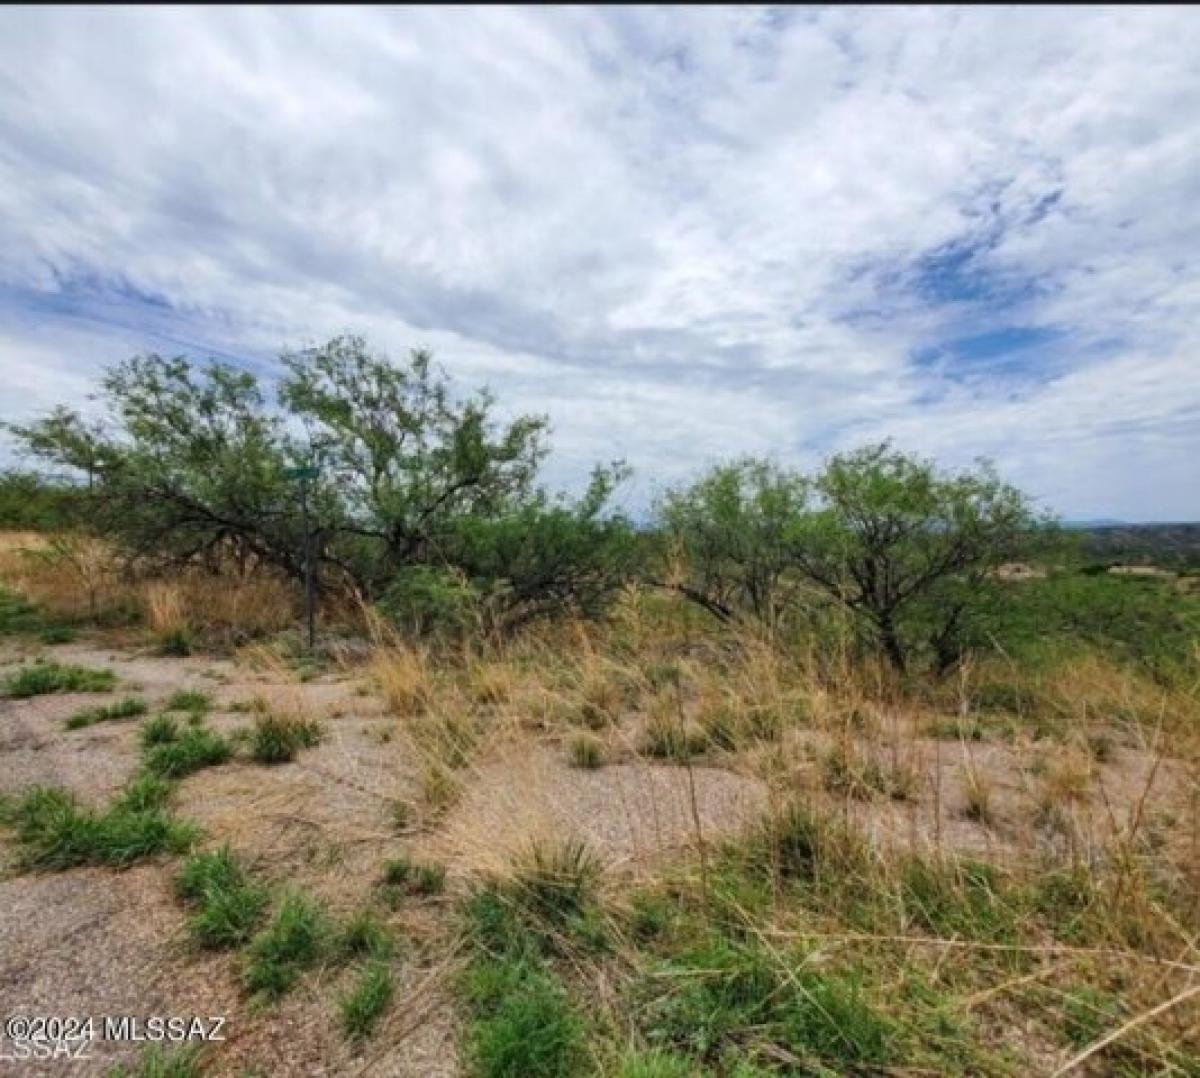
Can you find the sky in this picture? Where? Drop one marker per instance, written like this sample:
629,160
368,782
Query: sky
683,234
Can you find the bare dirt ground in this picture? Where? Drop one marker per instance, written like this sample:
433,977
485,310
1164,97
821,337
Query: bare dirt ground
100,942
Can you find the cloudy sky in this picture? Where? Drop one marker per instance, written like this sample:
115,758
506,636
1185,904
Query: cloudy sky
683,234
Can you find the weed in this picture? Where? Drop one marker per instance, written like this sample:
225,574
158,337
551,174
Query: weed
191,700
160,730
40,677
362,1007
666,738
55,833
586,751
227,906
276,740
128,708
402,814
522,1022
293,941
192,750
364,935
404,877
57,634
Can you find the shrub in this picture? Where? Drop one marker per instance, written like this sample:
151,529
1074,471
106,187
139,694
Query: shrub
40,677
177,643
128,708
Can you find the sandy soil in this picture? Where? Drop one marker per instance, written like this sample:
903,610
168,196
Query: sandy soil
100,942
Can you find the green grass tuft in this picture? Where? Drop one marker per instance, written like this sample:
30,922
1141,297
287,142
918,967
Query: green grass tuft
522,1022
128,708
160,730
276,740
295,940
227,906
39,678
55,833
192,750
191,700
362,1007
408,877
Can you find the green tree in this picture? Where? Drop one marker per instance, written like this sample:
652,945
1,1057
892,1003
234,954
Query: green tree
909,549
406,459
736,531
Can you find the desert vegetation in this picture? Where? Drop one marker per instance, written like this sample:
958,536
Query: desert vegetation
796,775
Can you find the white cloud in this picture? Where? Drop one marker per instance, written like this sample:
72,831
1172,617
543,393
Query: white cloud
684,233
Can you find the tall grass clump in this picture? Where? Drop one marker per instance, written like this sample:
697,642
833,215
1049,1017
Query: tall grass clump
193,749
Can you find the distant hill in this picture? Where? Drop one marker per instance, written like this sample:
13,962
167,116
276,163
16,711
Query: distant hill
1162,544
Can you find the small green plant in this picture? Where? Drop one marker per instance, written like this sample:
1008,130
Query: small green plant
55,833
160,730
586,751
522,1022
190,700
364,935
128,708
17,614
227,907
361,1008
276,740
40,677
192,750
57,634
556,882
294,940
405,877
176,643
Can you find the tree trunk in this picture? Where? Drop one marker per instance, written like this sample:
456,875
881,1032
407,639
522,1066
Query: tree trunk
892,647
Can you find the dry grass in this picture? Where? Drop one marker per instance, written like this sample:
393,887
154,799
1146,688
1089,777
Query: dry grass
501,751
